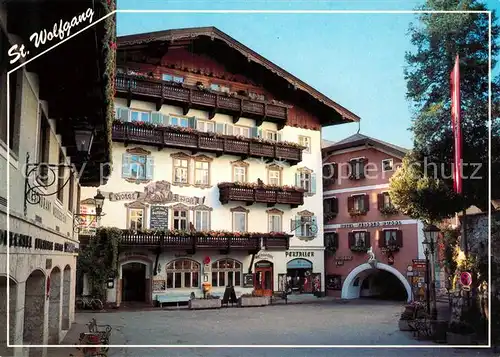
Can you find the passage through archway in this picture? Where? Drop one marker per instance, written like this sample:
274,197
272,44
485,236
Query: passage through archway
134,282
34,312
379,281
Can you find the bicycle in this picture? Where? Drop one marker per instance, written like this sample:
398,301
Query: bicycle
87,301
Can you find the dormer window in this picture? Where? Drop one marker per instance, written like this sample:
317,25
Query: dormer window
387,165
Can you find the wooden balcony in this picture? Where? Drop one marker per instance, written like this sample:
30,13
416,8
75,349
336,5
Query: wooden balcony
187,97
197,241
271,196
198,141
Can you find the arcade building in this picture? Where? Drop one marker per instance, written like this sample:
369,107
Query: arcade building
216,175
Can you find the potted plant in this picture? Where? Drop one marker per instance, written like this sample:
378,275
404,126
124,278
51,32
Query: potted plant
460,333
249,300
405,321
209,302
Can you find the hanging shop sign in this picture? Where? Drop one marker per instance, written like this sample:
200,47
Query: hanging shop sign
264,256
370,224
418,264
298,254
154,193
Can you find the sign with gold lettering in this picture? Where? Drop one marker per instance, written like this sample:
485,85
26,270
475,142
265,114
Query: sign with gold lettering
298,254
155,193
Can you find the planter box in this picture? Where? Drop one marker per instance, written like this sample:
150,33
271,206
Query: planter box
404,325
459,339
199,304
253,301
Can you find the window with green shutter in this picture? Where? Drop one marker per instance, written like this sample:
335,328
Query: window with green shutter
137,167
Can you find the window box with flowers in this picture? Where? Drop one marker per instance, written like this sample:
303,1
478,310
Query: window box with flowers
260,193
359,241
390,240
385,205
358,205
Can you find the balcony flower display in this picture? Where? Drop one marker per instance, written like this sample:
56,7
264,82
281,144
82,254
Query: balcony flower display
212,233
387,211
254,185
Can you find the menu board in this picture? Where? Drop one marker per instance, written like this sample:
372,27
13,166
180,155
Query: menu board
159,217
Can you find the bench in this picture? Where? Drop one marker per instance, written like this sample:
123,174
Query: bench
170,298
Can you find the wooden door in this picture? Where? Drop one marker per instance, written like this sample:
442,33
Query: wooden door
264,279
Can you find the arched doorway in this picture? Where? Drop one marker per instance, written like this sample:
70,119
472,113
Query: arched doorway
34,312
298,272
4,351
264,278
134,282
54,306
66,297
381,281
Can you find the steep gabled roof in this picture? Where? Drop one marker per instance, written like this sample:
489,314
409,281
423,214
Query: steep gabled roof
357,140
328,111
326,143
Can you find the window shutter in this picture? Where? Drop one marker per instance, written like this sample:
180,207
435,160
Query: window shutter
229,129
156,118
259,133
279,136
297,179
192,122
117,113
219,128
314,223
313,183
295,225
336,240
124,114
254,132
367,240
125,165
366,198
350,203
381,239
149,168
335,205
352,243
326,206
380,201
399,238
363,168
335,173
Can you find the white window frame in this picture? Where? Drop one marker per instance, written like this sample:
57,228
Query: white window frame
306,177
177,215
363,233
203,125
236,169
305,226
133,217
241,129
195,268
181,168
359,202
204,172
181,121
131,164
273,134
305,141
235,215
270,222
224,271
140,113
271,172
392,165
388,237
386,195
204,218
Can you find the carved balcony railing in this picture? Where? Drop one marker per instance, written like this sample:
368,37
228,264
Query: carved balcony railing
190,96
271,196
198,141
251,242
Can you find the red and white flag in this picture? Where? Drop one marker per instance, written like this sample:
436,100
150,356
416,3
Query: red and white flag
456,126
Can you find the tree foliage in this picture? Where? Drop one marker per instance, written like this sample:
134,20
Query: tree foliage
438,38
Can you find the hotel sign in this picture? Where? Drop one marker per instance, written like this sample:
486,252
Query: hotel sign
155,193
370,224
299,254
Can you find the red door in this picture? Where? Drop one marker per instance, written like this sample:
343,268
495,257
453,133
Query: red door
264,283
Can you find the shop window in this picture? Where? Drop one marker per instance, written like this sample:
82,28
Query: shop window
226,272
183,273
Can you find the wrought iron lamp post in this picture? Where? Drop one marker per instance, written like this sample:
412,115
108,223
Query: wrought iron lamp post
78,218
431,233
43,174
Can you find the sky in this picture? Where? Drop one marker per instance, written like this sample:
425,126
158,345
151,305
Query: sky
357,60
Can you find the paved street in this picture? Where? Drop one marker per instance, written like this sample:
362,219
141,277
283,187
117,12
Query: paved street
355,323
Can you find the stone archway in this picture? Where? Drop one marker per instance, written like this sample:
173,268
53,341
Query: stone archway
148,278
55,306
350,290
4,351
34,312
66,298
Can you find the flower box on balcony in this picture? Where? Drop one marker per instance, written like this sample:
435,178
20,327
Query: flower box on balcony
355,213
390,248
387,211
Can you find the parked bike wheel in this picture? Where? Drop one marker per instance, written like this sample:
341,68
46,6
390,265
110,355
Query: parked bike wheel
80,305
97,304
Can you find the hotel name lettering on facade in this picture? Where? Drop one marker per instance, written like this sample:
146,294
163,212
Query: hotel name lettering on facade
370,224
155,193
299,254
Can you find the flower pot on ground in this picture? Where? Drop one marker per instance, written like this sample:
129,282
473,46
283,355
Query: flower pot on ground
460,333
248,300
405,321
200,304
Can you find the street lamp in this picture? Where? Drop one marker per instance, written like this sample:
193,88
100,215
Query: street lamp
78,219
431,233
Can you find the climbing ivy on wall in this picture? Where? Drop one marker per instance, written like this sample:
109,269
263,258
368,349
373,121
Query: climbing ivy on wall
99,259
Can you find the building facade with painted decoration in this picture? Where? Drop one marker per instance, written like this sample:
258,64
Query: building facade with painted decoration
216,170
360,219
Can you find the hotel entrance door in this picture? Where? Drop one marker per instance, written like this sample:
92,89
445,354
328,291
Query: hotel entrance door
264,283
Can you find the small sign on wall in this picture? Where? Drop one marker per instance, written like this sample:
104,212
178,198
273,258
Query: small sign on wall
248,280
